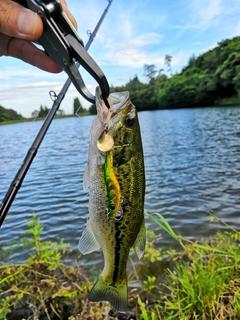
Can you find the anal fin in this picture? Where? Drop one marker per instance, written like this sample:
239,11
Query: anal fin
139,244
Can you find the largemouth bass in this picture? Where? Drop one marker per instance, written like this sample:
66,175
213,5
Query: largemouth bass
115,175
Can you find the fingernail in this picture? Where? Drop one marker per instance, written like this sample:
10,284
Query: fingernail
27,22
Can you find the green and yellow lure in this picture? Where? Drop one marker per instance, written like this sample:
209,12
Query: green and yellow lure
114,209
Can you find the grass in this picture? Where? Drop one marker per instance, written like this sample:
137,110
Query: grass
205,280
201,281
233,101
43,287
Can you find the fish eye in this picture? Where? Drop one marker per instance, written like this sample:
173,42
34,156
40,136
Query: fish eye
112,206
129,121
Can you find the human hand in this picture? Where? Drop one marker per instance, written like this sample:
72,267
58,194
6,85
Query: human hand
18,28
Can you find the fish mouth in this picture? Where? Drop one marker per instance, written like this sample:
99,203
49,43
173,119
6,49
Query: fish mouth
116,101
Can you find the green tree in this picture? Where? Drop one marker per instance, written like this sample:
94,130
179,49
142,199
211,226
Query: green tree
77,106
35,113
168,60
43,111
9,114
92,109
60,113
149,71
208,79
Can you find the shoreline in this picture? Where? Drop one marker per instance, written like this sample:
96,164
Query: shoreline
220,103
201,281
40,119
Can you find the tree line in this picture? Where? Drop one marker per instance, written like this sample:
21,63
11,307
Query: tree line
213,78
77,109
9,115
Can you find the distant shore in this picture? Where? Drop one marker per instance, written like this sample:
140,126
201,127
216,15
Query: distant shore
40,118
226,102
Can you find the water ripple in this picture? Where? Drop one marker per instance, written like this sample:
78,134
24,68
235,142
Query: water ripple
191,162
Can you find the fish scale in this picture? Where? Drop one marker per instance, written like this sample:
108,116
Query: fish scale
114,237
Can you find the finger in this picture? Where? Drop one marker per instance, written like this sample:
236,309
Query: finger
18,21
26,51
69,15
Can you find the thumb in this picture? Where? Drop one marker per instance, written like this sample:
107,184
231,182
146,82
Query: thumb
17,21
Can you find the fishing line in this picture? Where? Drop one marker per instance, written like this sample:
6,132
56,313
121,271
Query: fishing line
25,133
82,199
17,181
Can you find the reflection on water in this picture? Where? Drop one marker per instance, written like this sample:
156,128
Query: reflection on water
191,161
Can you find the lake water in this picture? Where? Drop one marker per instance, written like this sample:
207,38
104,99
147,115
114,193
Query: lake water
192,163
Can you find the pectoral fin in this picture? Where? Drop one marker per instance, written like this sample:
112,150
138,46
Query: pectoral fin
86,178
139,244
88,242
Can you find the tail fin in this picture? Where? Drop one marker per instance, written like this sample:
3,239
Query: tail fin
115,293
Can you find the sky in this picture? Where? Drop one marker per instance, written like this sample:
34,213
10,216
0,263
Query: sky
133,33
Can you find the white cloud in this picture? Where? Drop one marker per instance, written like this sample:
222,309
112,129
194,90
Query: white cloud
209,48
184,27
146,39
236,30
20,72
180,59
205,12
40,85
210,10
126,29
132,52
133,58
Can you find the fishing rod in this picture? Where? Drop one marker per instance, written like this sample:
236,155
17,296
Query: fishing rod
85,60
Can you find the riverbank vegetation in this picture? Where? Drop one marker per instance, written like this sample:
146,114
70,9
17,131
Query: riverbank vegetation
9,115
199,281
207,80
